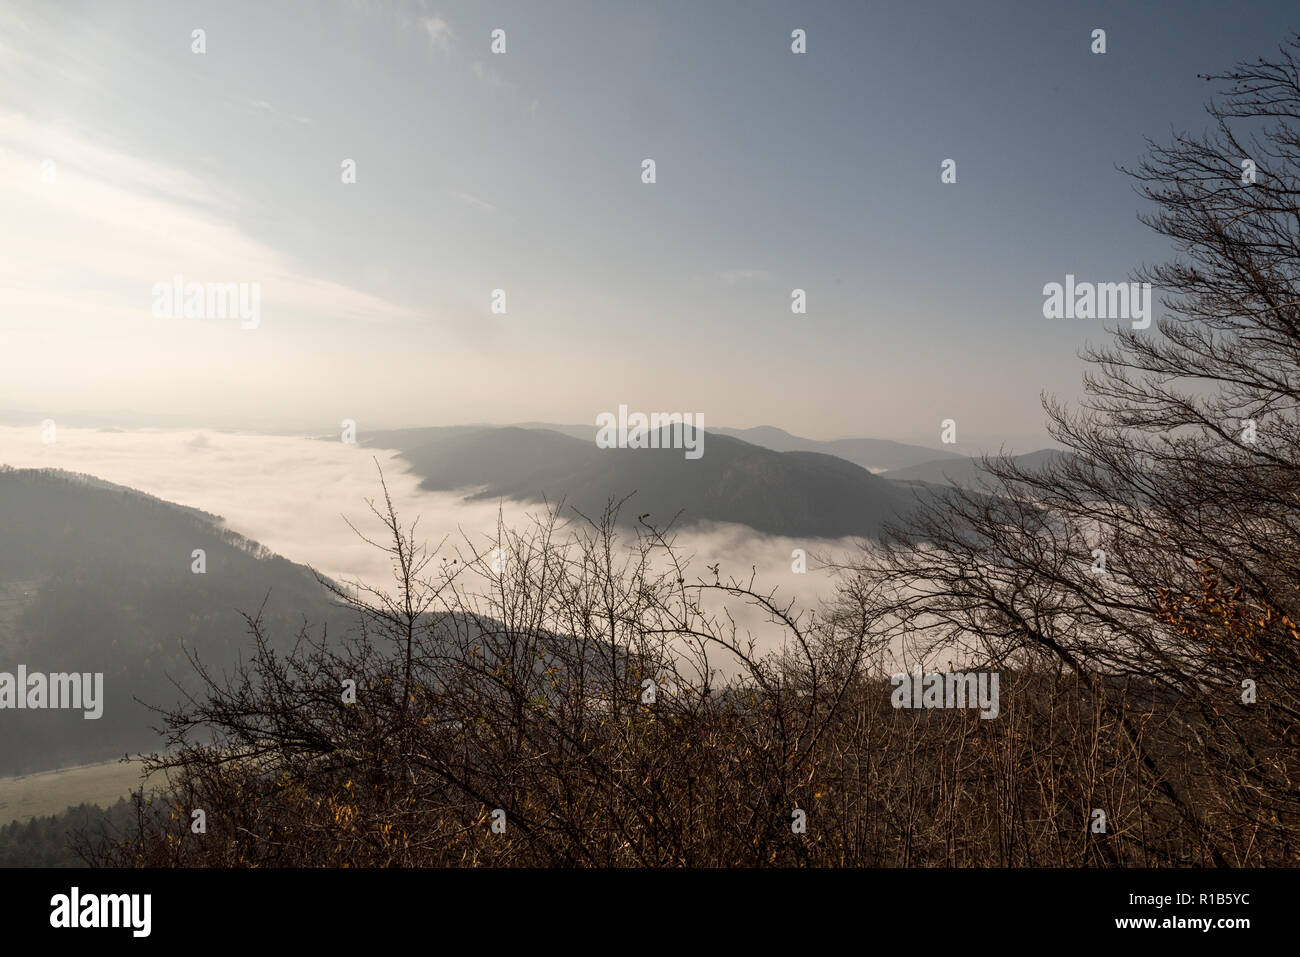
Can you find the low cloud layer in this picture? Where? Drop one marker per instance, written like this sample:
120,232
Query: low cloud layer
296,495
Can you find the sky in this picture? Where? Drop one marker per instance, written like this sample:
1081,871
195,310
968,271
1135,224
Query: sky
127,158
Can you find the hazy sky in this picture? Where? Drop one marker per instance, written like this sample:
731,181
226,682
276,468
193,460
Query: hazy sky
522,172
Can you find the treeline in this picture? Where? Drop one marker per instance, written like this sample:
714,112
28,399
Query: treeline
760,777
59,839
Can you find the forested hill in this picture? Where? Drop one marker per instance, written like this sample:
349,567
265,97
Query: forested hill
782,493
95,577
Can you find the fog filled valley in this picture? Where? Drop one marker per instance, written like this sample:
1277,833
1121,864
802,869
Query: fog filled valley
223,586
101,526
97,570
447,435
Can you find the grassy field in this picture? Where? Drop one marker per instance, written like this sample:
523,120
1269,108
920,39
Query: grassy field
50,792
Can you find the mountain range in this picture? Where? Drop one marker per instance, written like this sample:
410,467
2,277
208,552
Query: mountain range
875,455
783,493
779,487
966,472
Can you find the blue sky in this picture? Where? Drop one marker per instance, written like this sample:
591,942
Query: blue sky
521,171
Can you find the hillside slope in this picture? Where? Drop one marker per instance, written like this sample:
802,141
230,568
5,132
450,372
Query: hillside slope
782,493
98,578
876,455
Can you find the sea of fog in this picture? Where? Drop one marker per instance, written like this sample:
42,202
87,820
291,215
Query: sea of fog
296,496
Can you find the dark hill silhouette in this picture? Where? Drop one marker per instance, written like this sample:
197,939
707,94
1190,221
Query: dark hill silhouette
96,577
872,454
783,493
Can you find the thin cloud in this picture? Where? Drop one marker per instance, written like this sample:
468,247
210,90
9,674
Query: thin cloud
439,32
93,241
474,201
733,276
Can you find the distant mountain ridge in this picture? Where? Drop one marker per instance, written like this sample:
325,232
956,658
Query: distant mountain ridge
967,472
872,454
876,455
794,493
